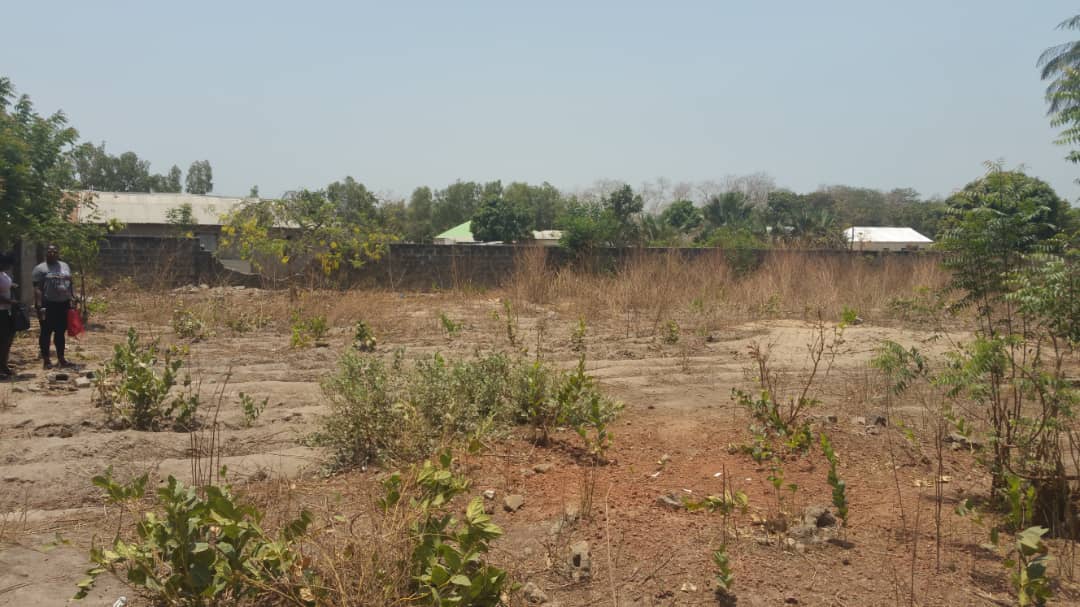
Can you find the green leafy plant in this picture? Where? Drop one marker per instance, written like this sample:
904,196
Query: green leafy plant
1030,579
136,394
447,557
363,337
587,410
188,325
725,504
511,320
839,487
304,331
451,327
206,548
725,578
849,316
252,408
577,337
671,333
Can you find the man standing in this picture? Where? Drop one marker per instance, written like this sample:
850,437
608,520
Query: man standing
53,293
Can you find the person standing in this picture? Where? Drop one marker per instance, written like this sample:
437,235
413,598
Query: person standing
53,294
7,321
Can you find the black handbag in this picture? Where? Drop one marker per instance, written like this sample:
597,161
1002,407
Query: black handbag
20,317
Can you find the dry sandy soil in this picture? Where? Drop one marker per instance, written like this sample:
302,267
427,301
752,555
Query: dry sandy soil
673,438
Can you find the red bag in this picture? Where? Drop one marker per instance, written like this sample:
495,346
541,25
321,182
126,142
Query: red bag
75,326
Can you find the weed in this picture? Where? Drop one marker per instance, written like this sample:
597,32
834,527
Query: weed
187,325
671,333
447,556
304,331
511,323
135,394
725,578
252,408
1032,557
363,337
839,487
849,316
451,327
577,337
207,550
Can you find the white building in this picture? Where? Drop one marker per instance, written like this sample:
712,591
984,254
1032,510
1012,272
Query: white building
885,239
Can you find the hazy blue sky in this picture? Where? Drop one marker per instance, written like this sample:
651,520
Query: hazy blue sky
400,94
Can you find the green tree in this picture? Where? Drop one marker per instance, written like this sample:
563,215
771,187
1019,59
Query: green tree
1061,68
624,207
172,182
501,220
200,177
253,192
992,223
34,168
543,202
354,201
586,226
731,209
682,215
183,217
454,205
418,222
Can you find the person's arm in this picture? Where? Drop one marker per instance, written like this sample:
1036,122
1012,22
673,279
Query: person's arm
38,279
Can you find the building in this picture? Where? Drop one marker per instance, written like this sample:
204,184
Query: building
885,239
147,214
462,234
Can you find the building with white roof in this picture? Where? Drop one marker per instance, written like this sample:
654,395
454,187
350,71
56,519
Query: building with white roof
147,214
885,239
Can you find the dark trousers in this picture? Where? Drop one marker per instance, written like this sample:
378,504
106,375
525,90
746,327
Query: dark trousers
55,323
7,335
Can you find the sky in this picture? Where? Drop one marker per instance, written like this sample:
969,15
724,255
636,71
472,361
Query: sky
286,95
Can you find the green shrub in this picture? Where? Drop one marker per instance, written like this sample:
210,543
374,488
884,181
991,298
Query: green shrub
366,422
207,549
252,408
363,337
447,557
135,393
188,325
303,331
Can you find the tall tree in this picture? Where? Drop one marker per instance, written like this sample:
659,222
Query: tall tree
418,222
355,202
501,220
172,182
34,167
200,177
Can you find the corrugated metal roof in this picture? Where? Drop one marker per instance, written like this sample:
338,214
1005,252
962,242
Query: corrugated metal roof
885,234
134,207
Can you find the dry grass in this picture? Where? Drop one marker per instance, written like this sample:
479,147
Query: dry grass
648,290
701,295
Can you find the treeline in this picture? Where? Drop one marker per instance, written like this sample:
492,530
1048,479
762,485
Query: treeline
92,168
742,211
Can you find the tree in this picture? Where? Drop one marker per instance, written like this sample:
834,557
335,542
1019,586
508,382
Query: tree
682,215
353,200
731,209
587,226
253,192
1061,67
34,168
200,177
418,217
501,220
624,206
454,205
991,224
543,202
183,217
317,232
172,182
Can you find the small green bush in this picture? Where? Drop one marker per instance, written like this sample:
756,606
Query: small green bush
206,549
135,393
363,337
188,325
304,331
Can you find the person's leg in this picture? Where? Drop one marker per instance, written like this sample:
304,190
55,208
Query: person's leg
7,336
57,315
43,340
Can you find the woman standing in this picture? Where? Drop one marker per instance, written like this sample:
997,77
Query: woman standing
7,321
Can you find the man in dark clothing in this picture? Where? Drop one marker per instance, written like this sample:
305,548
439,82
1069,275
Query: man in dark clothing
53,294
